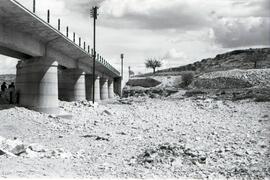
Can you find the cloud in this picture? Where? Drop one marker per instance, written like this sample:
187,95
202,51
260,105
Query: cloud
256,8
242,32
146,28
8,65
173,54
174,58
155,15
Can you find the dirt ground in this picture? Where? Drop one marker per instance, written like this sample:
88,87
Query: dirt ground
142,138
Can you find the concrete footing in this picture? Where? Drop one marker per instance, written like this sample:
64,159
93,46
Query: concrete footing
37,84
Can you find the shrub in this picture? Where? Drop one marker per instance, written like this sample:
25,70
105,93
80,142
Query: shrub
187,78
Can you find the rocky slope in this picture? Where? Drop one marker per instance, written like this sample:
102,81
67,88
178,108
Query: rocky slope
139,138
242,79
238,59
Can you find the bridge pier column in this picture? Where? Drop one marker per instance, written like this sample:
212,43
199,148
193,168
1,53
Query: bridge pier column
110,88
89,86
118,86
37,84
97,89
72,85
104,89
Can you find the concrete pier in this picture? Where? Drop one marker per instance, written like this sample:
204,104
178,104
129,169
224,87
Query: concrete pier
72,85
118,86
104,89
37,84
97,89
110,88
88,86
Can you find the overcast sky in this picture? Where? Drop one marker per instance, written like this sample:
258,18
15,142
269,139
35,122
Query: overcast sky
178,31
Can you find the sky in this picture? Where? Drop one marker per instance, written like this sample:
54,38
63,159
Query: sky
178,32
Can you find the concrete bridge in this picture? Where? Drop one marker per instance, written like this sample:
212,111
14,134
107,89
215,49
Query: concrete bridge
51,66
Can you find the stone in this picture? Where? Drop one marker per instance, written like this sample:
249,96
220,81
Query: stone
37,148
3,152
107,112
15,147
18,149
52,116
239,153
31,154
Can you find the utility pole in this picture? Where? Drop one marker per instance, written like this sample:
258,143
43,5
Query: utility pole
94,15
122,66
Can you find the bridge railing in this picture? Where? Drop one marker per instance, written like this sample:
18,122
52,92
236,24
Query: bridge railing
80,45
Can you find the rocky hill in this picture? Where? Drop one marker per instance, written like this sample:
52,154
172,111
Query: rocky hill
8,78
239,74
237,59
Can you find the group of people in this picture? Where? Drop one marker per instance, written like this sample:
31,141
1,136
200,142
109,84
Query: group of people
8,92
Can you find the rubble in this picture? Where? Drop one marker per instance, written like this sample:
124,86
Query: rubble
171,137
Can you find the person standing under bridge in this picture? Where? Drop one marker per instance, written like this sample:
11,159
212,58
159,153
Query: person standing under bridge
3,89
11,89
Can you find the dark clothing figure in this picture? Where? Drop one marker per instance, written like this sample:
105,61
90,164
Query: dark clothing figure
11,86
11,89
3,87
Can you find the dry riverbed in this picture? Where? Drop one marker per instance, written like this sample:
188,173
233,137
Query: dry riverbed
139,137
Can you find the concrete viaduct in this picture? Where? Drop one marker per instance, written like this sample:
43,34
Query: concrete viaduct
51,66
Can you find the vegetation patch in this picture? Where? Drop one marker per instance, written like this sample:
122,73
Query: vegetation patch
221,83
146,83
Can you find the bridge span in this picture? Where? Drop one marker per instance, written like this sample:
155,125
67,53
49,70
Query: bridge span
51,66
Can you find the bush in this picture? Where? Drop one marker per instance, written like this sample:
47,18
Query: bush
145,82
187,78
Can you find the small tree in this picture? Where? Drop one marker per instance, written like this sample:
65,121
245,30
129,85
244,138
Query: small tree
255,57
153,63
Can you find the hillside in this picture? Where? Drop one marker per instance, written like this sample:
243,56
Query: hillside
237,59
240,74
8,78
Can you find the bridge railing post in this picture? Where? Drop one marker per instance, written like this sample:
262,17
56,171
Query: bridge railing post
59,24
67,31
34,6
48,16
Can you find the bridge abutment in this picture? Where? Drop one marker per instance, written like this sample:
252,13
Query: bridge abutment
37,84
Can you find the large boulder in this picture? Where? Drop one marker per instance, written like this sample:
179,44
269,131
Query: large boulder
15,147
